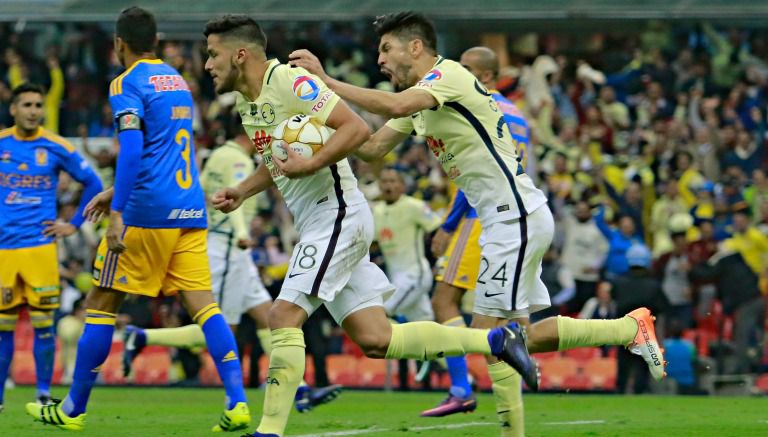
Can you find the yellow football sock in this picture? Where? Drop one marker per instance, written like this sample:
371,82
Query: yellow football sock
186,337
286,368
429,340
575,333
265,338
507,391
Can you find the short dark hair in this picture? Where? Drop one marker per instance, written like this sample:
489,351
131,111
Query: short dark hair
26,87
239,26
137,27
410,25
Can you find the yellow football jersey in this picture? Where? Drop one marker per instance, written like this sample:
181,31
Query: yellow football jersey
286,92
399,229
468,134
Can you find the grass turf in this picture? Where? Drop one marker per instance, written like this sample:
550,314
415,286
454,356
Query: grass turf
124,411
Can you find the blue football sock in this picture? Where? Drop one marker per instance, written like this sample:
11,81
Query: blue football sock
92,351
223,349
457,367
457,370
44,350
6,356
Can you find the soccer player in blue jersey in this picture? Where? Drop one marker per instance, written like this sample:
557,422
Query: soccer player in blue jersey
30,161
156,239
458,237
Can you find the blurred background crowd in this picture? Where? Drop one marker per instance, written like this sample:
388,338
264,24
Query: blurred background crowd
650,144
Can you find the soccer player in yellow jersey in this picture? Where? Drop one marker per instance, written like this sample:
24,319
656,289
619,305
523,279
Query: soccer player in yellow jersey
459,263
156,239
330,265
441,100
400,222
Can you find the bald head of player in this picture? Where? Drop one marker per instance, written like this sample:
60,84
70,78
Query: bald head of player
237,56
407,47
135,36
483,63
391,184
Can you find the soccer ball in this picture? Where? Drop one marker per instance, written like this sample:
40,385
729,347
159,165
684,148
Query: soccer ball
305,135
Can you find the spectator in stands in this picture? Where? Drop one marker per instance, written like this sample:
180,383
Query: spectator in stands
584,252
682,358
669,204
672,269
756,195
619,241
601,305
637,287
737,286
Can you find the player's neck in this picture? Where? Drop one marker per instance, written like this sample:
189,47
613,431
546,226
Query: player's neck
424,64
132,58
252,83
26,133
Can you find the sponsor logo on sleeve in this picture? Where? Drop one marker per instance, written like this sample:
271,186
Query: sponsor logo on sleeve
305,88
323,100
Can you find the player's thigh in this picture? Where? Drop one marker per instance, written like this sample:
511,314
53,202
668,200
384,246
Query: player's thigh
328,251
508,285
461,264
141,268
369,328
188,268
38,270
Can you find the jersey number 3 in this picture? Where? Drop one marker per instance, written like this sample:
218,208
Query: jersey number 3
184,177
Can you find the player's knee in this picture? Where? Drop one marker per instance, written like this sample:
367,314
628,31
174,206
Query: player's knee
373,344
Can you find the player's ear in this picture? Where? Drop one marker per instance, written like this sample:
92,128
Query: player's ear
240,55
415,47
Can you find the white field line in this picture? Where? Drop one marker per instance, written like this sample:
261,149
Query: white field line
575,422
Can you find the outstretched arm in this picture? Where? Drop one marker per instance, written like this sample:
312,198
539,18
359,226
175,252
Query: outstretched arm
388,104
380,143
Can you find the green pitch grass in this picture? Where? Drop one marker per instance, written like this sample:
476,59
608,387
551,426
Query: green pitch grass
156,412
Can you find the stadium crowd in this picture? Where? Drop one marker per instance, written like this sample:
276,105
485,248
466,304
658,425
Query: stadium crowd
651,147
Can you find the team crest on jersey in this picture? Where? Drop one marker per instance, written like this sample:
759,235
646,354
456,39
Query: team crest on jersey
41,157
268,113
254,109
305,88
435,74
261,140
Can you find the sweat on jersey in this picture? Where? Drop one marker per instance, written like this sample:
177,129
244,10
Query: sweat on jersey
227,166
29,174
166,193
467,133
286,92
399,229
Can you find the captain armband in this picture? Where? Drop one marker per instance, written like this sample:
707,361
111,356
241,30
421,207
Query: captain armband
128,121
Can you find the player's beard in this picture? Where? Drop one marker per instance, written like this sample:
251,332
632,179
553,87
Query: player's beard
400,77
227,83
